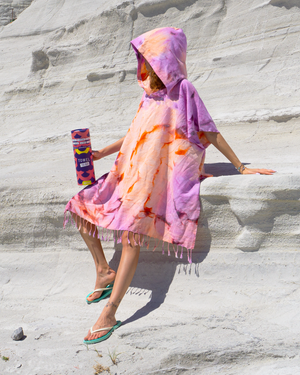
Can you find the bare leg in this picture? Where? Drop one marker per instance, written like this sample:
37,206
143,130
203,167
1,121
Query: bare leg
104,274
126,270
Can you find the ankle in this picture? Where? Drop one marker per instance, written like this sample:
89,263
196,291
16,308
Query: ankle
111,308
104,271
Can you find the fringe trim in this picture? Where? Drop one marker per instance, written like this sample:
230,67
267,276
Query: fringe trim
105,234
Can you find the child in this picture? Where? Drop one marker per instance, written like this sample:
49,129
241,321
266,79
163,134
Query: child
153,187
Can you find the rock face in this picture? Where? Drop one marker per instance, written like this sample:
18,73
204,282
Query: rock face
10,10
244,59
68,64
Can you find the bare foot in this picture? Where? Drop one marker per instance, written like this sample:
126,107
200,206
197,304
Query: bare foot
104,278
102,322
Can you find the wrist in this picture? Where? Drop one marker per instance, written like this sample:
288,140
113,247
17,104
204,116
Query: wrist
101,153
97,154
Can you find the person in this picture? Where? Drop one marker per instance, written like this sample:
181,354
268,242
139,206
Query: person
153,187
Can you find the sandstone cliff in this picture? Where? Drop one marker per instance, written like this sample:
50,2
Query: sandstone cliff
66,64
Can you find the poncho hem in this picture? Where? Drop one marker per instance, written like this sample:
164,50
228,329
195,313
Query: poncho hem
107,235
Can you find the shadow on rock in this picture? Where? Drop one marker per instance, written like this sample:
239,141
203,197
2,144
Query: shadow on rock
221,169
155,270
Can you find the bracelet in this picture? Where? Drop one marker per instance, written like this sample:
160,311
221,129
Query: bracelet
239,168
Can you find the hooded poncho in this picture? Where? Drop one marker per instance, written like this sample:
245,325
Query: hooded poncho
153,187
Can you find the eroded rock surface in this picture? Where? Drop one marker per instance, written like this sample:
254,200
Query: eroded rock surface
76,69
10,10
66,65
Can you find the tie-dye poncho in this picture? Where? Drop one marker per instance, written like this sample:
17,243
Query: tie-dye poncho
153,187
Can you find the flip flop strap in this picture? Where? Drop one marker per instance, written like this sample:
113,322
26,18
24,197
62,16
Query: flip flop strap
101,329
102,289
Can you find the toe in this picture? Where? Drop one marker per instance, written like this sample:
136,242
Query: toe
93,296
93,336
88,336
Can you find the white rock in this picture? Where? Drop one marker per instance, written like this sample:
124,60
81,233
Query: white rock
66,65
10,10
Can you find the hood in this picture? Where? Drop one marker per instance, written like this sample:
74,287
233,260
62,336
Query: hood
165,50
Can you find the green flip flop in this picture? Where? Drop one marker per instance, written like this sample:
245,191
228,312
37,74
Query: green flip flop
102,338
106,293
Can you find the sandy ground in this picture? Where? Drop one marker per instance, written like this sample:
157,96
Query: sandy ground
227,313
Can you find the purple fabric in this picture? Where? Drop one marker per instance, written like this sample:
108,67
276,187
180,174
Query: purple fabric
153,187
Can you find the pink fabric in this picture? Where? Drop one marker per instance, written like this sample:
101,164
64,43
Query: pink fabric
153,186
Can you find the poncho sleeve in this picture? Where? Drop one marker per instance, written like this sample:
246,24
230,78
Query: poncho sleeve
198,118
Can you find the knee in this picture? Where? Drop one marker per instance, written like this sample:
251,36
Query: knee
130,240
84,228
82,225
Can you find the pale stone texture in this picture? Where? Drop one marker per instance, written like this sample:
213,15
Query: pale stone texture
10,10
68,64
18,334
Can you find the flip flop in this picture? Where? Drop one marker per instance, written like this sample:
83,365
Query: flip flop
106,293
102,338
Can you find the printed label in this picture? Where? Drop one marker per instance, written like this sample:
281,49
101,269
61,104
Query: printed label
83,142
84,164
89,182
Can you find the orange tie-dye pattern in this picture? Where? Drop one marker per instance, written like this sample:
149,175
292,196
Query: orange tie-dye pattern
153,187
